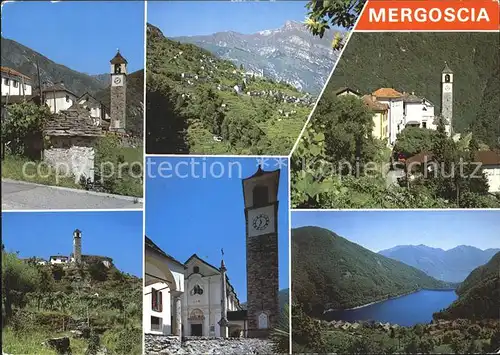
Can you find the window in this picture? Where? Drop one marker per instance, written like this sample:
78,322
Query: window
197,290
156,323
6,81
118,69
424,124
447,78
156,300
67,98
424,108
196,270
260,196
15,83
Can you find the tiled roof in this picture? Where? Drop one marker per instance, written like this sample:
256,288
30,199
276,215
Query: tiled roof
16,99
58,87
374,104
10,71
118,59
488,157
387,92
447,69
74,122
261,172
412,98
344,89
151,245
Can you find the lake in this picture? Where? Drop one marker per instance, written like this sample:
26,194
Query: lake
407,310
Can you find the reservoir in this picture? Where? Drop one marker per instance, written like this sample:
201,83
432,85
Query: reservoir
407,310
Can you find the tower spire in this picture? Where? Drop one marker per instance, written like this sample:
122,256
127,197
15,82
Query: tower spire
223,323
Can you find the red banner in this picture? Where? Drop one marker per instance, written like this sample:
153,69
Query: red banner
424,15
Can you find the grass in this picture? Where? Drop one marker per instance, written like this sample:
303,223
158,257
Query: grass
29,342
12,168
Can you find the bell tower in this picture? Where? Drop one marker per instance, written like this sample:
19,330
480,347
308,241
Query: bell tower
118,93
260,193
77,246
447,98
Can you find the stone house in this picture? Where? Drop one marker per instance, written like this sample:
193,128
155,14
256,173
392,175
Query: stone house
71,136
58,97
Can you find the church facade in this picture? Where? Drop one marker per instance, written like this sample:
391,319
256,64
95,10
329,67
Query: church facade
195,298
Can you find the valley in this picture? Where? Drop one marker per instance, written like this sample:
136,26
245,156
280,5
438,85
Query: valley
349,299
200,104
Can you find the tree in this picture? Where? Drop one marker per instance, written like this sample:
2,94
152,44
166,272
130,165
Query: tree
98,271
23,126
307,333
323,14
18,279
458,345
280,336
413,140
495,341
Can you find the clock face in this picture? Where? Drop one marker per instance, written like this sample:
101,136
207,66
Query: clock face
447,88
117,80
260,222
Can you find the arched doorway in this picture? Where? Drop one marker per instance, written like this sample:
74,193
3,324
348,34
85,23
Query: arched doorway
196,318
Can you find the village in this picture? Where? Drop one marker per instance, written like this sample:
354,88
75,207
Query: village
68,134
393,111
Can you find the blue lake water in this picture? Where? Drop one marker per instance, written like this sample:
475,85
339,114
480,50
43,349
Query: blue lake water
408,310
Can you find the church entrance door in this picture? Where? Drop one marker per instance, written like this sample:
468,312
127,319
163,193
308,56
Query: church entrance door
196,330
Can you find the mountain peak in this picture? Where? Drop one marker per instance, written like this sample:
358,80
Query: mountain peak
290,24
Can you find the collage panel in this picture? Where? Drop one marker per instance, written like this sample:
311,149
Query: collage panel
216,264
407,120
241,82
395,282
73,288
72,105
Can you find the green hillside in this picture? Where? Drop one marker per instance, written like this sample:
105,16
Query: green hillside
192,106
92,305
330,272
414,61
478,295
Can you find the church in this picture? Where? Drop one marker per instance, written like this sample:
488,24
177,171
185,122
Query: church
196,299
393,110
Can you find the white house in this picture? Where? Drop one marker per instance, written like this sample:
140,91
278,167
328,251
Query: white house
97,110
14,83
58,97
490,165
164,287
396,118
418,112
185,299
59,259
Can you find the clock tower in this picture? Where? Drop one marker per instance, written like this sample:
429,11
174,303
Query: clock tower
447,97
118,93
260,193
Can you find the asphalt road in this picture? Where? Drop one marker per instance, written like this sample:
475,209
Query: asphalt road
18,195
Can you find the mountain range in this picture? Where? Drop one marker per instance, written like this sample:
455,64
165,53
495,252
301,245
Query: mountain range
330,272
24,59
290,53
452,265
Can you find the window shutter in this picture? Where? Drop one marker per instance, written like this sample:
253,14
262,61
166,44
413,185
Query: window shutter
160,302
153,299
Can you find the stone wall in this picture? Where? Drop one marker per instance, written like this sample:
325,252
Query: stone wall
166,345
73,155
262,282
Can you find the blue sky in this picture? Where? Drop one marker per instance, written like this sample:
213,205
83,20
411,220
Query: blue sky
177,18
83,35
378,230
189,215
118,235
